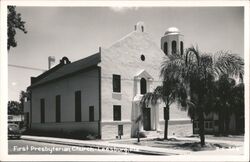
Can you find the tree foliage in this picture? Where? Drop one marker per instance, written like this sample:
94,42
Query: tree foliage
14,108
24,95
14,22
198,71
229,99
172,90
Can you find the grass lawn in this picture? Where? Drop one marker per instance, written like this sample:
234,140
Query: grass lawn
239,138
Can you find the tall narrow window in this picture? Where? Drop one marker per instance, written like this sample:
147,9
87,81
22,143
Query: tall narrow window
174,47
116,112
78,105
58,108
182,51
91,113
116,83
165,48
27,117
42,106
143,86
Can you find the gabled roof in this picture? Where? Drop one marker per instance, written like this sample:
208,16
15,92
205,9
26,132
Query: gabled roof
144,74
137,42
62,70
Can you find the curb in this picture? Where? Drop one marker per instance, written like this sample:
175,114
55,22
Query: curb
99,146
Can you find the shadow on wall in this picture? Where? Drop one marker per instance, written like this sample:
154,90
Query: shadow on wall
77,134
72,130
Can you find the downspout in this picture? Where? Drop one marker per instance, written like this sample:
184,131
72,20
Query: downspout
100,104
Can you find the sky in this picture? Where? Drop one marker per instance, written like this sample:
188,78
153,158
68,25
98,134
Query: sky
77,32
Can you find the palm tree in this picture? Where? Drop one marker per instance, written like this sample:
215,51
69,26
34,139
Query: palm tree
229,100
22,97
238,105
198,72
169,92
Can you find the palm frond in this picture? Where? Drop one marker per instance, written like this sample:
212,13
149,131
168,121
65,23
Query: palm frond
151,98
230,64
192,52
173,68
189,79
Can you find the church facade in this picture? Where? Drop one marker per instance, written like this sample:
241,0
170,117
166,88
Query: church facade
100,95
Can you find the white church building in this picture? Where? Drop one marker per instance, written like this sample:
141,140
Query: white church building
100,95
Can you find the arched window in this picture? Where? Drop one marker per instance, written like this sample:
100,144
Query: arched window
143,86
142,28
182,48
165,48
174,47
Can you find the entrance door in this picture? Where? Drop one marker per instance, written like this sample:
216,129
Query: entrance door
146,118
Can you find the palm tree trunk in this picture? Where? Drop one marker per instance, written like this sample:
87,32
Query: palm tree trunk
227,120
166,129
201,128
221,122
166,118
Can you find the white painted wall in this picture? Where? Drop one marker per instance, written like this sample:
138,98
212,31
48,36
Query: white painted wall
124,58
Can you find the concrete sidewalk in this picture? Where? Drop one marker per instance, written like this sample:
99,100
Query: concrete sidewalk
133,148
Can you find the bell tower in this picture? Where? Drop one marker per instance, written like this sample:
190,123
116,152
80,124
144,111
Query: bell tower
172,42
140,26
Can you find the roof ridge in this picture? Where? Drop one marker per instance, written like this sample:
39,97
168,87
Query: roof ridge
127,36
66,69
95,54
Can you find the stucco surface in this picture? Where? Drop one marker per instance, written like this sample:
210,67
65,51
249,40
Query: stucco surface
124,58
184,129
169,38
110,131
86,82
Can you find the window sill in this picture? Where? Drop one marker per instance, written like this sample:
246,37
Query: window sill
116,93
116,122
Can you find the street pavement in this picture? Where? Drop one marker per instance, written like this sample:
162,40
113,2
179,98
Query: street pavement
34,147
